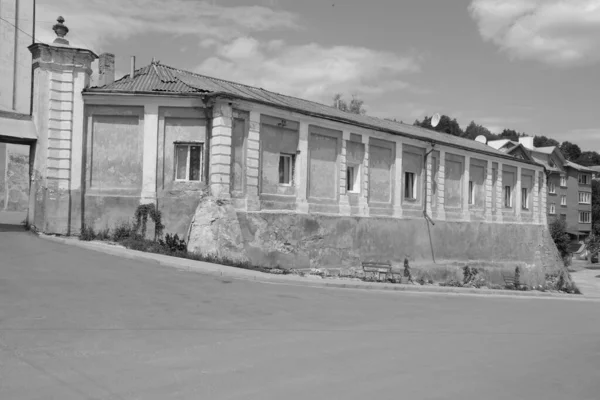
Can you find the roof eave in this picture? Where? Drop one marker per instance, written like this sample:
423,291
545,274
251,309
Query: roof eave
309,113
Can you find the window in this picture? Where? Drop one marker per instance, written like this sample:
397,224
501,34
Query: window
524,199
551,187
352,179
410,186
563,181
585,198
507,197
563,200
188,162
286,169
471,193
584,179
585,217
563,217
552,208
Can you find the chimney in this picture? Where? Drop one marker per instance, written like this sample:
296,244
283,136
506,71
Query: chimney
132,73
527,142
106,69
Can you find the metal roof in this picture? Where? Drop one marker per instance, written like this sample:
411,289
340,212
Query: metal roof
158,78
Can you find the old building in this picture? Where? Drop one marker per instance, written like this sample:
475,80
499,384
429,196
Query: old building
569,184
304,184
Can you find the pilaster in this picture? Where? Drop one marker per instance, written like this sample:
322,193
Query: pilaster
467,177
441,212
488,191
536,198
252,163
499,196
344,203
220,150
518,195
544,198
398,182
363,201
302,169
149,157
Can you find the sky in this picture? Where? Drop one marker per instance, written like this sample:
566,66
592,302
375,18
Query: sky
528,65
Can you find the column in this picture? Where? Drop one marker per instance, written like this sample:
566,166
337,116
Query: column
518,196
467,177
344,204
536,198
302,170
398,182
220,150
441,214
252,163
488,191
60,74
363,201
150,154
499,195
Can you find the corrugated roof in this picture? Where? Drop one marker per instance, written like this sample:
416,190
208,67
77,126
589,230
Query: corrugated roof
159,78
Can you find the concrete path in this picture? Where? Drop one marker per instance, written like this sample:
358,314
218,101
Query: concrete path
587,278
77,324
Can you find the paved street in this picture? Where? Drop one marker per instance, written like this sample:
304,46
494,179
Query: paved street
77,324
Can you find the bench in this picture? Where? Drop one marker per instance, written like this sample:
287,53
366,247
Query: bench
376,269
509,280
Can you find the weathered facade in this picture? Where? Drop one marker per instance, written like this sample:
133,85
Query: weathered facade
298,183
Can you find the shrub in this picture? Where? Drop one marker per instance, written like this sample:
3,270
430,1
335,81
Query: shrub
123,231
173,243
407,273
561,237
142,212
517,277
87,233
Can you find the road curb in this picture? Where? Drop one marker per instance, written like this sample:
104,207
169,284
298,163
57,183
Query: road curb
223,271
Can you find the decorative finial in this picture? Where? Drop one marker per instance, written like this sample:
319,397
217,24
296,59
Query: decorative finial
61,30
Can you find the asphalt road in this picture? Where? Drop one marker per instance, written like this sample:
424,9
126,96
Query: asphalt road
78,324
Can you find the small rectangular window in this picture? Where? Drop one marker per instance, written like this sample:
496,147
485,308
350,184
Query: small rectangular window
353,178
563,200
188,162
410,186
552,208
584,179
471,193
507,197
585,217
585,198
524,199
551,187
563,217
286,169
563,181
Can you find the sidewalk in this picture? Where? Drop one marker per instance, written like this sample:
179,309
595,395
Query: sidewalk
310,281
587,278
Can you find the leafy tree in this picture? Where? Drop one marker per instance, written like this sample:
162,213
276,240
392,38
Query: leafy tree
355,106
558,231
511,134
588,158
596,207
446,125
570,151
543,141
473,130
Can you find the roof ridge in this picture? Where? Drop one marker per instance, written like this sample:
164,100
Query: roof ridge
245,85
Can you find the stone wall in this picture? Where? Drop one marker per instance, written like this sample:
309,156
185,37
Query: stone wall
14,177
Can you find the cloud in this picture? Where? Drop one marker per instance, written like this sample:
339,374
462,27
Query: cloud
556,32
93,23
311,71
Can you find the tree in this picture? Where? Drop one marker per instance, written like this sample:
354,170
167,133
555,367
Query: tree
355,106
558,231
570,151
596,207
543,141
588,158
473,130
446,125
511,134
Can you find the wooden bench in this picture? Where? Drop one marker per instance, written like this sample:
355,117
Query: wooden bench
509,280
377,268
